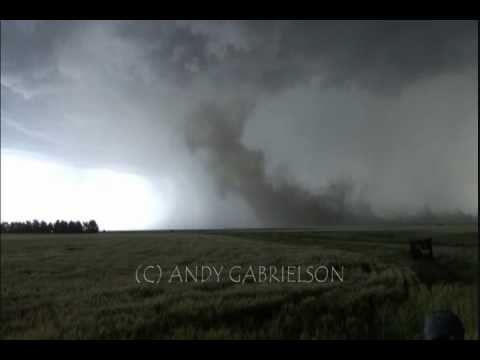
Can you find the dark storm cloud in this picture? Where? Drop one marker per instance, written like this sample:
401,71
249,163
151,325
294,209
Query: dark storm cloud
242,171
29,53
218,107
266,56
382,56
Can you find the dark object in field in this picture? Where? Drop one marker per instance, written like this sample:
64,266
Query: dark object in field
443,325
421,248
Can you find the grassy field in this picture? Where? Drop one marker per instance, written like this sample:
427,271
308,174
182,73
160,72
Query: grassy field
82,286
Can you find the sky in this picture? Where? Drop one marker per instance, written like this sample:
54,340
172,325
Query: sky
206,124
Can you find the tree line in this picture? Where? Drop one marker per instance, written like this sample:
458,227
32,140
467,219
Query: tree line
59,226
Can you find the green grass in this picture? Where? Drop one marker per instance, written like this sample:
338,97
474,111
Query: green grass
82,286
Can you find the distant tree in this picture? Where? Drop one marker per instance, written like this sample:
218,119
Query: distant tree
17,227
13,227
43,227
60,226
5,227
57,226
35,226
92,226
78,227
71,227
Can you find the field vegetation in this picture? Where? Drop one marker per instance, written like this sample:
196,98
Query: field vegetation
82,286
